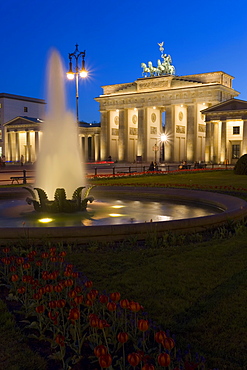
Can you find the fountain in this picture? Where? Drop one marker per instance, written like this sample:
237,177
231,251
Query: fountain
59,168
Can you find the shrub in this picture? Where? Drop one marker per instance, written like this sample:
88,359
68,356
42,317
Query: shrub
241,166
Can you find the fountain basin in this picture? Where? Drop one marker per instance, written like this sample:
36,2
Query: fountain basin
233,209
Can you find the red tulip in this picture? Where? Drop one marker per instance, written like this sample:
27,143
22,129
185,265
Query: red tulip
103,324
124,303
143,325
72,293
94,322
19,260
123,337
105,360
61,303
134,359
53,316
62,254
78,289
160,336
103,298
134,306
60,340
21,290
88,284
100,350
148,367
68,282
111,306
44,255
6,250
168,343
74,314
53,259
89,303
164,359
91,296
79,299
37,296
52,304
49,288
40,309
14,277
115,296
58,288
26,266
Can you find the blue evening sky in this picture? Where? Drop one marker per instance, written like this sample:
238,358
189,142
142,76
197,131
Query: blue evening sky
201,36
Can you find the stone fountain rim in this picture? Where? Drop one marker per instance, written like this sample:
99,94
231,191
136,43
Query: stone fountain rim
234,209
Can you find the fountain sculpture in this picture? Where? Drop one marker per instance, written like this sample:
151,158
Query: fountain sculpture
59,168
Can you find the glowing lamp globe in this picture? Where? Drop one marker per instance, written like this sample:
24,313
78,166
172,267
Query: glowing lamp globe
70,75
83,73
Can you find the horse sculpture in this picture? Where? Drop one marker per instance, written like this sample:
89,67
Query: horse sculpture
152,69
146,70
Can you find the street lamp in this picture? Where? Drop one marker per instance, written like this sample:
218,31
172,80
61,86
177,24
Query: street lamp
82,72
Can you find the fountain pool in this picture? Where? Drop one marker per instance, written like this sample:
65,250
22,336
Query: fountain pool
133,208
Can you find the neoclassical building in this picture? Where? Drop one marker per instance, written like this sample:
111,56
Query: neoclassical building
135,115
226,131
23,136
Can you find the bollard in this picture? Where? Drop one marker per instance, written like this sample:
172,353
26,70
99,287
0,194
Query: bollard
24,177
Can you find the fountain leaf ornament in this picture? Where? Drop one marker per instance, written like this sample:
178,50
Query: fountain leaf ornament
60,204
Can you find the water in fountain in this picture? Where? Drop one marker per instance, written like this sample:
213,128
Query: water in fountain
59,163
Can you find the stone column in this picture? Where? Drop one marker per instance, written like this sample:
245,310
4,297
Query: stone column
17,146
207,142
36,138
223,142
191,121
28,147
10,154
244,142
86,156
96,147
142,134
170,132
122,144
215,140
212,149
104,136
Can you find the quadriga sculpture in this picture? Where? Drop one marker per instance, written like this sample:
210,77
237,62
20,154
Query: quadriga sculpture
60,204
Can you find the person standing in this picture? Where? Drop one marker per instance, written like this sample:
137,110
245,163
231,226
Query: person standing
3,160
22,160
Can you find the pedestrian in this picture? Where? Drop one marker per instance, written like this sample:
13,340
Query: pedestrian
3,160
22,160
151,167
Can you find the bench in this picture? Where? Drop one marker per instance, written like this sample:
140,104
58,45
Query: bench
200,165
23,178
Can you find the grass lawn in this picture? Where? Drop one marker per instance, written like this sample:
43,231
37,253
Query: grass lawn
196,290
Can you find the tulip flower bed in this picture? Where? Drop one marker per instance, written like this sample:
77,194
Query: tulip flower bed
85,328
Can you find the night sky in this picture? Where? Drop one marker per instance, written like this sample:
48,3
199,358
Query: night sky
118,36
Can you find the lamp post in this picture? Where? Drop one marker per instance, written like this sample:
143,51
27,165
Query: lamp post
155,149
163,140
82,72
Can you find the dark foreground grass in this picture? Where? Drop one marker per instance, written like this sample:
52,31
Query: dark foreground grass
14,351
196,290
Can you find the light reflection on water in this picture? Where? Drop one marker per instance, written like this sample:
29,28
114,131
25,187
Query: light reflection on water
17,213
